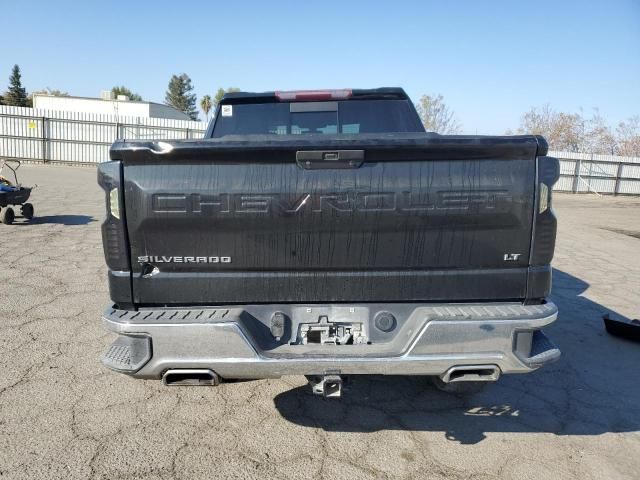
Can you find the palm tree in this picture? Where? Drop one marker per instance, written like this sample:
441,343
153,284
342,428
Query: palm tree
205,105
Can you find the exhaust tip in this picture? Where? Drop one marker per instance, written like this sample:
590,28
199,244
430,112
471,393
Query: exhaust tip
471,373
190,377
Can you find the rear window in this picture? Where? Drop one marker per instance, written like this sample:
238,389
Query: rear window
324,118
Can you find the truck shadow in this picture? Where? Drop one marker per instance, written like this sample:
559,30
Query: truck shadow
57,219
591,390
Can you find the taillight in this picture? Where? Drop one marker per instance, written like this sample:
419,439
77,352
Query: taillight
114,239
544,197
114,203
314,95
544,238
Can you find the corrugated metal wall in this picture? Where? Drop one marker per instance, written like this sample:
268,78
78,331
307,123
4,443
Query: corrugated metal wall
50,136
584,172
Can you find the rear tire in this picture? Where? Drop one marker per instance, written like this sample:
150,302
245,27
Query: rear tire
7,216
27,211
459,388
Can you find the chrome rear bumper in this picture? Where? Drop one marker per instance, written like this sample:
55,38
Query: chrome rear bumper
235,342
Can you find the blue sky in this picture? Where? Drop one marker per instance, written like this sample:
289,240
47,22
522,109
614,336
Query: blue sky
491,60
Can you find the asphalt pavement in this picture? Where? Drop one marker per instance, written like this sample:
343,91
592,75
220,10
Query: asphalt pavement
62,415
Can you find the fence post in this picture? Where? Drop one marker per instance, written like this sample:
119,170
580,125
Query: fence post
616,189
576,176
44,139
187,134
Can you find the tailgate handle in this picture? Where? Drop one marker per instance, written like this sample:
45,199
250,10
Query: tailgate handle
317,159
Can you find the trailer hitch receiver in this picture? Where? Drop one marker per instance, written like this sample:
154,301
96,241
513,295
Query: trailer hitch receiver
328,386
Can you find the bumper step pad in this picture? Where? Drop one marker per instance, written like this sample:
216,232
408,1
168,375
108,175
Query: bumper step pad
128,353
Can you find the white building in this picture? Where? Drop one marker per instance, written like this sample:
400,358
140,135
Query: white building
121,107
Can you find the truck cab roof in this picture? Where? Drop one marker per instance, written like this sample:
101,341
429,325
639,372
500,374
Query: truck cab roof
384,93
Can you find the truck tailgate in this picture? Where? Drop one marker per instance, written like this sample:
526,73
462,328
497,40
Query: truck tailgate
414,217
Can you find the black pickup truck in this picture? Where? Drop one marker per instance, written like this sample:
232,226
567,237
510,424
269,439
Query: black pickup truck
325,233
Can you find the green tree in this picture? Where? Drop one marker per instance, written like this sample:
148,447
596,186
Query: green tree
179,95
436,116
205,105
220,93
16,95
122,90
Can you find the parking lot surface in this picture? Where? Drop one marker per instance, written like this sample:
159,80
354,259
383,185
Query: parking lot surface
62,415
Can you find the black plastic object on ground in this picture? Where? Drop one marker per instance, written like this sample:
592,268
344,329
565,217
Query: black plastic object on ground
629,330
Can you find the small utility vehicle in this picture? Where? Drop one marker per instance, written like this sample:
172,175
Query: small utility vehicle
14,194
